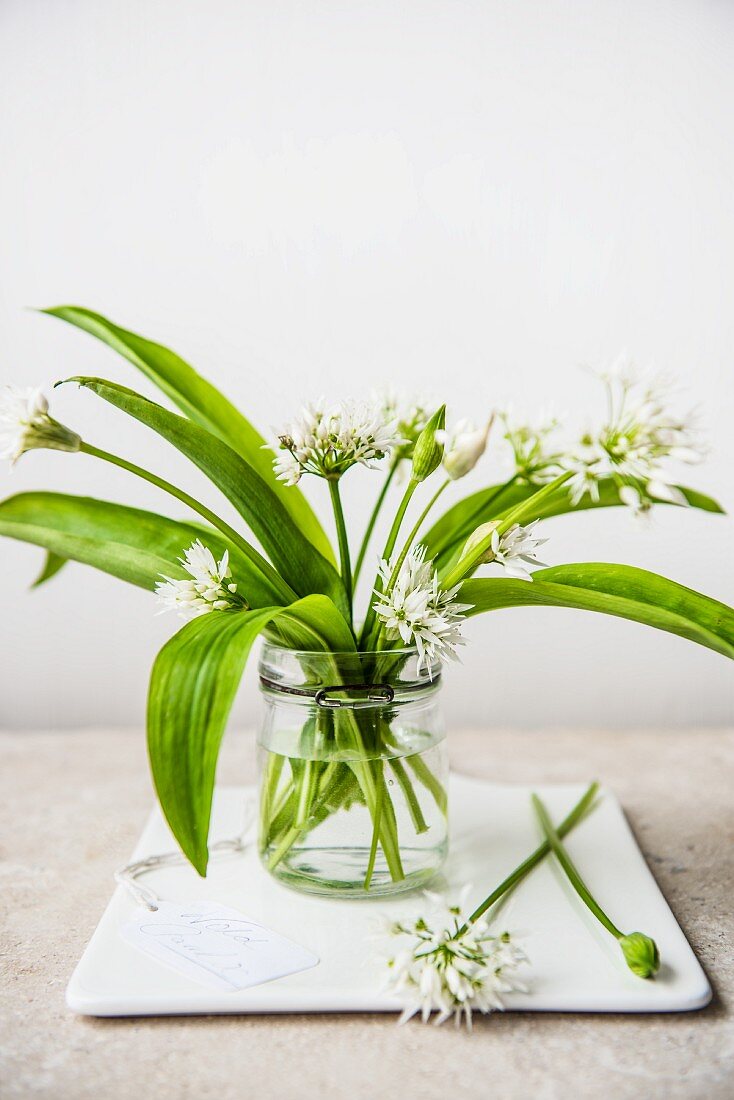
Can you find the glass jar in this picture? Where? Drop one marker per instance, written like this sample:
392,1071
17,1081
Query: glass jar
353,771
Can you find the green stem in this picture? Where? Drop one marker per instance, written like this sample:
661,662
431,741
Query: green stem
499,491
535,858
397,522
376,637
387,554
271,779
284,832
413,534
387,823
242,544
289,839
341,531
552,837
448,544
373,520
308,783
377,821
333,789
433,785
468,563
411,798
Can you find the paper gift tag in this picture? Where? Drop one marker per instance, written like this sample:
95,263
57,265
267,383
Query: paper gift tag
214,944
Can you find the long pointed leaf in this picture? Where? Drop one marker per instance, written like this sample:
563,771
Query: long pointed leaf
193,684
52,564
620,590
296,559
202,403
129,543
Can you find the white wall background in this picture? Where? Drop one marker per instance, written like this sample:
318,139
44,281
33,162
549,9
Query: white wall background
472,198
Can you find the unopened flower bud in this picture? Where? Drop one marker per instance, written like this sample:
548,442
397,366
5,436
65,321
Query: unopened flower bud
428,450
641,954
465,449
479,544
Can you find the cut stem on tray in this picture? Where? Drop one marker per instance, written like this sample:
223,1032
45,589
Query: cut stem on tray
640,952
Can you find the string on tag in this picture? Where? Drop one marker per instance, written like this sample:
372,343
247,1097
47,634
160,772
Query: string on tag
128,875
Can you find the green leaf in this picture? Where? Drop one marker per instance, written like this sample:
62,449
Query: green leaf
455,526
296,559
128,543
315,625
51,565
202,403
193,685
620,590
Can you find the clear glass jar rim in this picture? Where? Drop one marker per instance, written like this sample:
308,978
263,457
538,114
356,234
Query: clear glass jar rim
407,651
377,677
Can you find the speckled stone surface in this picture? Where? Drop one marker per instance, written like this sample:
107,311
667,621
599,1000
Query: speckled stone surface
72,807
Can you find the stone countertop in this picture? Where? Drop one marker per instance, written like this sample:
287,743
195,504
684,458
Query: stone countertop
73,805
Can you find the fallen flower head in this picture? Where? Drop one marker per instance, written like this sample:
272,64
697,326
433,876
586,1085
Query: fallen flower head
450,967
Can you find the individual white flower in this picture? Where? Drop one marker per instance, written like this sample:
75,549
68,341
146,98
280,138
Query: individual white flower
327,441
448,966
587,463
414,608
207,590
464,447
25,424
634,445
287,467
535,457
631,497
515,547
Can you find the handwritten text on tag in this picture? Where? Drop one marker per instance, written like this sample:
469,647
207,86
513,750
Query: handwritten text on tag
215,945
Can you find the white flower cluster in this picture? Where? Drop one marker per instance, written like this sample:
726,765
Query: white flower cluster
450,968
515,547
535,458
327,441
513,550
206,591
25,425
416,610
632,447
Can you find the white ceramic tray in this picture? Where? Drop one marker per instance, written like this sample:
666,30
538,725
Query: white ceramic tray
575,964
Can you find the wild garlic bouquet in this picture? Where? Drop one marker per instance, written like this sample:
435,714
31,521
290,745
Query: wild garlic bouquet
277,574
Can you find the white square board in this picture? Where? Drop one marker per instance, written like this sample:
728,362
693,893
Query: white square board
575,966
